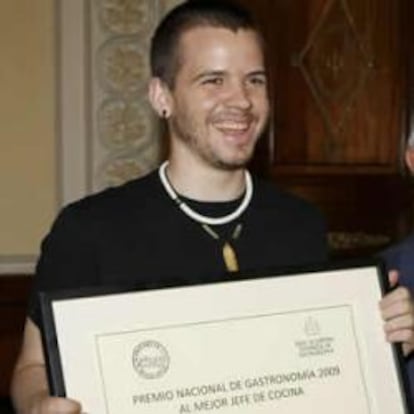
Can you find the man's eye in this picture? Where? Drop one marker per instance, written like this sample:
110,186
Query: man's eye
212,81
258,80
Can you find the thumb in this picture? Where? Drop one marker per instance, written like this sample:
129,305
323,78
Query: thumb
393,277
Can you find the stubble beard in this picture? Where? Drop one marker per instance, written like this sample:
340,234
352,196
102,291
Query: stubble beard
206,153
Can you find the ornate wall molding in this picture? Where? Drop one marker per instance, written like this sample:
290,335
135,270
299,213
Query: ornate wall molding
107,132
336,64
125,137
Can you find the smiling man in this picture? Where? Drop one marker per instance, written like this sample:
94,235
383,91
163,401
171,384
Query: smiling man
201,216
218,105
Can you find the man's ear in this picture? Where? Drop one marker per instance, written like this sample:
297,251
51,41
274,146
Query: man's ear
409,158
160,97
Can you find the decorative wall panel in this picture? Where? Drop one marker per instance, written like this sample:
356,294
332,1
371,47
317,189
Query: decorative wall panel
341,76
115,135
125,139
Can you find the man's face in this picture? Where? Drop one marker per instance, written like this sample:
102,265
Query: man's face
409,158
219,102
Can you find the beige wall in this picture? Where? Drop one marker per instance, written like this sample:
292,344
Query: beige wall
27,126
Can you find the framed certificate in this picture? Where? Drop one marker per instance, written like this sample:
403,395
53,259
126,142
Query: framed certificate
287,343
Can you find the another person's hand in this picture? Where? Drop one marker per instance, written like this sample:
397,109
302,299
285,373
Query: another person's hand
55,405
397,310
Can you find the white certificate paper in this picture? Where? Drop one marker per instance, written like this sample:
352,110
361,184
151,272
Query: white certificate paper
291,344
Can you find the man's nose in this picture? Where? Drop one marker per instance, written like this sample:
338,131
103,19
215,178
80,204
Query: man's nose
240,96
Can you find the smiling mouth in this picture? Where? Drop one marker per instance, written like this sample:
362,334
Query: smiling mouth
232,126
237,132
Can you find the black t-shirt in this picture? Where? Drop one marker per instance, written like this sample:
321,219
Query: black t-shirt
135,236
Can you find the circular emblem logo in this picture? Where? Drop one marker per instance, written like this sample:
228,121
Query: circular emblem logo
150,359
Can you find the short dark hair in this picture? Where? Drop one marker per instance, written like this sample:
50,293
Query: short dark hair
164,59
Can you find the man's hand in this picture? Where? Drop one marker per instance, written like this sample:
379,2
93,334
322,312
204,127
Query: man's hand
29,389
397,310
49,405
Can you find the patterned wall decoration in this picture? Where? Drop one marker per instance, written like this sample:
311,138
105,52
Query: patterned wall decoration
336,64
125,138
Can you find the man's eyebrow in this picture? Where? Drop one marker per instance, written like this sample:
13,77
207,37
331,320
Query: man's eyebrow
258,72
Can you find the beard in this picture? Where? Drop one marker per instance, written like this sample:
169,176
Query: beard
189,134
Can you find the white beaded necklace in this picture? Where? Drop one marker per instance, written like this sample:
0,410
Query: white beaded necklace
199,217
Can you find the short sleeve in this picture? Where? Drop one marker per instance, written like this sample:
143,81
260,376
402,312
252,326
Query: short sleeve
67,259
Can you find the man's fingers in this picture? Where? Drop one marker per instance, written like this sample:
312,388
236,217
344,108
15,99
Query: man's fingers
393,277
59,406
404,322
396,303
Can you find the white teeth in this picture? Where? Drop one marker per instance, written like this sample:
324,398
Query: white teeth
233,125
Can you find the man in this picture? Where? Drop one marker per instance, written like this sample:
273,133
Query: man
200,217
401,257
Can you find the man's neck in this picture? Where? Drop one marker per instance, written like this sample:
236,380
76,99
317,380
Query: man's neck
205,183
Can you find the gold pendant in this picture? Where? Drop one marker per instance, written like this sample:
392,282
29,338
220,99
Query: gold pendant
230,258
